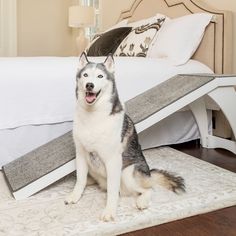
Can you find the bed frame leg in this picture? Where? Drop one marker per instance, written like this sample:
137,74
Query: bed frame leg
225,97
198,109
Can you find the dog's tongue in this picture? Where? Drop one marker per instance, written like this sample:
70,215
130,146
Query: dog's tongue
90,97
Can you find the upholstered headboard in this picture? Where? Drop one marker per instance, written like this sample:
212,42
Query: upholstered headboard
215,49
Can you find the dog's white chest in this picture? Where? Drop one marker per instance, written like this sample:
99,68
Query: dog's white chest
99,133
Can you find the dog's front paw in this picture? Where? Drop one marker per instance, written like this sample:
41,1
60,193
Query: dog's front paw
108,215
72,198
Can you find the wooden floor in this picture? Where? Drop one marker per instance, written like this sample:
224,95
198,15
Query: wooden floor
218,223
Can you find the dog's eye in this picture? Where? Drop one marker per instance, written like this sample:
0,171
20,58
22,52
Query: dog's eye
85,75
100,76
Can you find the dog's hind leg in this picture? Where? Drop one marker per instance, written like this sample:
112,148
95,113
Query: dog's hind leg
133,185
143,200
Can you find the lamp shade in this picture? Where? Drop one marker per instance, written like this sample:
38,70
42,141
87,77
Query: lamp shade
81,16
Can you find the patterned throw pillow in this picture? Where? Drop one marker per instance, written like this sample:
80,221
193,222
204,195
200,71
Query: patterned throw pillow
137,43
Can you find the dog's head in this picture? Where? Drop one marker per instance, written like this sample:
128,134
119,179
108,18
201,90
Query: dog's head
93,79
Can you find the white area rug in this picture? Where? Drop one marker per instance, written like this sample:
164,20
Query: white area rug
208,188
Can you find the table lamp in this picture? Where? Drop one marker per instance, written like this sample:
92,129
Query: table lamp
81,17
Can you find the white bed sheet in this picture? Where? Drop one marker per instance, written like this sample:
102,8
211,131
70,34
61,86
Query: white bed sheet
40,90
37,103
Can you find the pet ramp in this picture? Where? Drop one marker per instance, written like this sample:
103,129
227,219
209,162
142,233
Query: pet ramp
56,159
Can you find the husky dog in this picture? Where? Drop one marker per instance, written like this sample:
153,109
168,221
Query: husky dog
107,147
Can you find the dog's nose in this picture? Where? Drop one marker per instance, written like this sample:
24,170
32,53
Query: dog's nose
89,86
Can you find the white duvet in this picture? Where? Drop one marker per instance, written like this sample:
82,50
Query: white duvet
41,90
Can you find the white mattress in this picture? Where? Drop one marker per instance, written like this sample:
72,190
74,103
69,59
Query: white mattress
37,100
40,90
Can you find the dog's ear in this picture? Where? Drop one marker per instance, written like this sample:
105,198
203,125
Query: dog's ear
83,60
109,63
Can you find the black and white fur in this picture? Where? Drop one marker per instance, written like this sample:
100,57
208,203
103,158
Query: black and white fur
107,147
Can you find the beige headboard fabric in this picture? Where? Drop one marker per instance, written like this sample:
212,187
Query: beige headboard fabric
215,49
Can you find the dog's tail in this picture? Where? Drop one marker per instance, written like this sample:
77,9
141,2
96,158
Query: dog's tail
167,180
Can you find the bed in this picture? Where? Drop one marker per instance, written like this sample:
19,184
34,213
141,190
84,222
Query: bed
37,95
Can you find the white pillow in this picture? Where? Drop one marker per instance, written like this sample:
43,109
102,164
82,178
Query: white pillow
179,38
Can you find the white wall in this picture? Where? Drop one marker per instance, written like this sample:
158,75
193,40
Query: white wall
8,31
43,28
111,10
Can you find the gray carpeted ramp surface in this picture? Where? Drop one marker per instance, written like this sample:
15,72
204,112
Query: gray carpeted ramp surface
153,100
39,162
